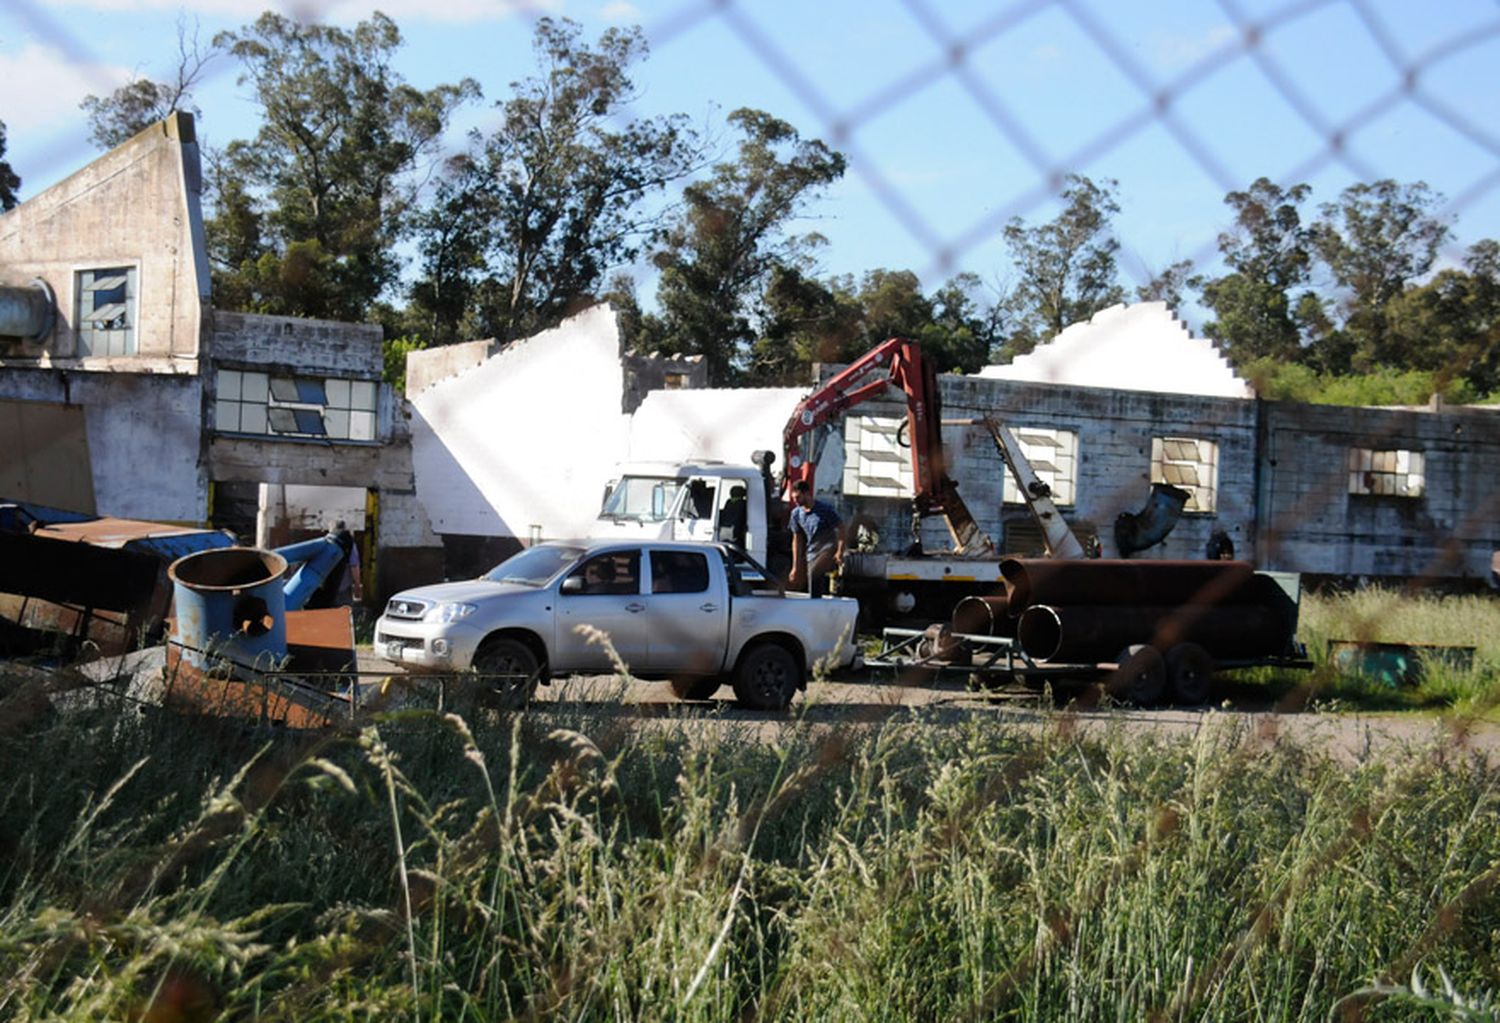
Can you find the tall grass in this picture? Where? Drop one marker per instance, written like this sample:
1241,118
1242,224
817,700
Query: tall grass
1395,616
577,864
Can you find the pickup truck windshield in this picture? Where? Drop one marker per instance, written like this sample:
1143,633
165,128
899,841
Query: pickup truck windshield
534,566
642,499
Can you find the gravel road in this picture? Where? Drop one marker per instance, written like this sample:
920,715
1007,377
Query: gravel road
1348,736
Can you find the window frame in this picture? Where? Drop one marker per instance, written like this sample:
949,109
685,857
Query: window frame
1160,461
1064,487
1364,466
348,405
85,337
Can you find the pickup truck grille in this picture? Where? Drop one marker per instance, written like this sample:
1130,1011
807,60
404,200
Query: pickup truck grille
402,607
404,642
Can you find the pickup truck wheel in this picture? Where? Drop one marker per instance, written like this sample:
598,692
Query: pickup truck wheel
767,677
1141,676
1190,673
692,687
508,673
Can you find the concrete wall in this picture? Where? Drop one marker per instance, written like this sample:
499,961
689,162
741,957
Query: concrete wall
647,373
428,366
1311,523
143,438
527,438
1138,347
293,344
137,205
1115,430
717,424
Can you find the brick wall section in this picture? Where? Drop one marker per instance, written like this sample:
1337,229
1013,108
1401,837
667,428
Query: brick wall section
1311,523
314,347
1115,430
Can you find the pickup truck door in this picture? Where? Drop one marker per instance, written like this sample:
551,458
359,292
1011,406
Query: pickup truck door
610,600
689,610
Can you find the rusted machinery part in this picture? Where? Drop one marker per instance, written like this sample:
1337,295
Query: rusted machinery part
1114,581
1089,634
983,616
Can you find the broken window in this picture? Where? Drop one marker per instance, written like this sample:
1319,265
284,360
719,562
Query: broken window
1192,465
877,460
674,381
1053,455
287,405
1391,473
106,311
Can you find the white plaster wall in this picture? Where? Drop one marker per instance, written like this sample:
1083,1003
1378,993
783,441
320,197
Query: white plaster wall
530,436
1140,347
719,424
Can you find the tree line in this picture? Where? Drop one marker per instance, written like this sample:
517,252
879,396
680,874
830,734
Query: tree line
540,211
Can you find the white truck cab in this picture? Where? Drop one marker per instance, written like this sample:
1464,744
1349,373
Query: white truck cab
699,501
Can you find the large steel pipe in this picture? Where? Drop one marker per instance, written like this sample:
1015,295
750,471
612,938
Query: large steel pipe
1089,634
983,616
1120,582
26,311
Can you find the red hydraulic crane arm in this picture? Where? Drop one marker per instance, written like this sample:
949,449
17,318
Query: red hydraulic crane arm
897,363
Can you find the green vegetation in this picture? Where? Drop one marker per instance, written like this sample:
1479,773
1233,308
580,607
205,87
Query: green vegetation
1380,615
579,863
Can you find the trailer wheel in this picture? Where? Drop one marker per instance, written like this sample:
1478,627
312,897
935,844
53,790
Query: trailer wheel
1141,675
767,677
508,673
694,687
1190,673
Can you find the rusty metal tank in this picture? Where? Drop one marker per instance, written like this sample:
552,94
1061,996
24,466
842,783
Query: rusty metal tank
230,606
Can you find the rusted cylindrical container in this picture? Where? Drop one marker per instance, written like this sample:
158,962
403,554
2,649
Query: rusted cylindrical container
1109,582
229,606
1089,634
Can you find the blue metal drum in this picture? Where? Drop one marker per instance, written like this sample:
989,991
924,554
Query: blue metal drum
230,606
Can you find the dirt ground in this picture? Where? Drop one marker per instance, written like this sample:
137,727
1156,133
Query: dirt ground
867,699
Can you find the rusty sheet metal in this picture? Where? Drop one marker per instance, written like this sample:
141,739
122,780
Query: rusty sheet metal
320,641
261,700
1106,581
1089,634
83,570
41,622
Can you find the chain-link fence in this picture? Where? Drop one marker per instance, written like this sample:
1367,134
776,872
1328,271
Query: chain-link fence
1348,82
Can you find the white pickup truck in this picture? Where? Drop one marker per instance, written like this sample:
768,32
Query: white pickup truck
695,614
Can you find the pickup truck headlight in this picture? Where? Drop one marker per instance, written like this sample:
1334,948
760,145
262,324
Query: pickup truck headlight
449,612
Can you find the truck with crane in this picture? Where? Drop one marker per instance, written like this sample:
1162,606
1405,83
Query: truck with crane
746,506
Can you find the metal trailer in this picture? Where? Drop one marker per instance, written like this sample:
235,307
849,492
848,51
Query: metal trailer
1143,675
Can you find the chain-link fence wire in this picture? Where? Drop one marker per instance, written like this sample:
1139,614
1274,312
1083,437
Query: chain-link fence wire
953,58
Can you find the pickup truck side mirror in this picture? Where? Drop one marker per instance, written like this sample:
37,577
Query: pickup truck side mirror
572,584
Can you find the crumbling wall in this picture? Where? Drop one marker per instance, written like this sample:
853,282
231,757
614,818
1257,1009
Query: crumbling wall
523,443
1312,523
657,372
136,206
1113,474
295,344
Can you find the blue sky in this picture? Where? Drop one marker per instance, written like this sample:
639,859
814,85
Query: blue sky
956,114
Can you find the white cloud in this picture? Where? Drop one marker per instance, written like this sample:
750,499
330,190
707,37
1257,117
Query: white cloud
620,11
40,86
339,11
1177,51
